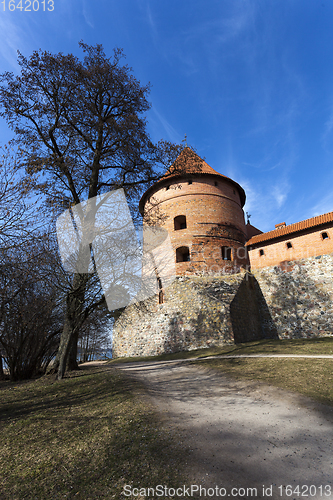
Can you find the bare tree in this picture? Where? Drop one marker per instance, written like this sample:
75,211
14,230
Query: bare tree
31,307
17,213
19,229
82,132
94,338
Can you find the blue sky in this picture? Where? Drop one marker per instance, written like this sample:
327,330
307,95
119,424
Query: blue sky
249,81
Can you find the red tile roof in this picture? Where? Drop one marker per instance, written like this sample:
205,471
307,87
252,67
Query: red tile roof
187,164
292,228
252,230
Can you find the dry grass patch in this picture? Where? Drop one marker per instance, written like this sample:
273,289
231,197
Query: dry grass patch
84,437
310,377
291,346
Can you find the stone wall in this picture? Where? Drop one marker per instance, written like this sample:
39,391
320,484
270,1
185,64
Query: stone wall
194,315
292,300
198,312
250,316
299,295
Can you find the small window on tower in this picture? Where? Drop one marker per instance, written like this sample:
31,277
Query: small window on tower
289,244
216,183
226,253
261,252
182,254
179,222
324,236
190,181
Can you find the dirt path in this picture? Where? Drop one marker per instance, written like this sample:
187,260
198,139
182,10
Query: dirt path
243,435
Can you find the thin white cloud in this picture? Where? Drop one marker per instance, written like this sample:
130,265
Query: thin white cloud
280,193
86,15
266,206
327,135
12,39
168,129
231,28
225,28
150,19
324,206
211,35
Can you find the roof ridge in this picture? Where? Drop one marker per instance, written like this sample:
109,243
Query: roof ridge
193,163
314,221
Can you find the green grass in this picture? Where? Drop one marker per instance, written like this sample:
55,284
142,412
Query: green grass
84,437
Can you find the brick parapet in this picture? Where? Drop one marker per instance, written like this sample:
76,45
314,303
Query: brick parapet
304,244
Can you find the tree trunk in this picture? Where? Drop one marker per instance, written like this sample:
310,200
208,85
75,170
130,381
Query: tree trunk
86,347
72,363
73,321
2,373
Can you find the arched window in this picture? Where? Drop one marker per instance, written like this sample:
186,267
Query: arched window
179,222
226,253
182,254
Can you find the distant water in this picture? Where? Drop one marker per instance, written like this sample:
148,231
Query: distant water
106,354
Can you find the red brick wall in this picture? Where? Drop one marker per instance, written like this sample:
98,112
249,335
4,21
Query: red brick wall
214,218
304,245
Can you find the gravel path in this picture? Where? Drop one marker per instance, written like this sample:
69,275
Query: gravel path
243,434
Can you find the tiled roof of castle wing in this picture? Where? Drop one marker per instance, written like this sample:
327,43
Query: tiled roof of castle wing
292,228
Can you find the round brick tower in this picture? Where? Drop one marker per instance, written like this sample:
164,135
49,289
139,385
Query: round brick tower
202,211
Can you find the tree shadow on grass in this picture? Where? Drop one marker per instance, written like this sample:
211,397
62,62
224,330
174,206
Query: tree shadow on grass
29,397
125,445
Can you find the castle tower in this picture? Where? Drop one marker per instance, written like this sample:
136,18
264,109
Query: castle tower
202,211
